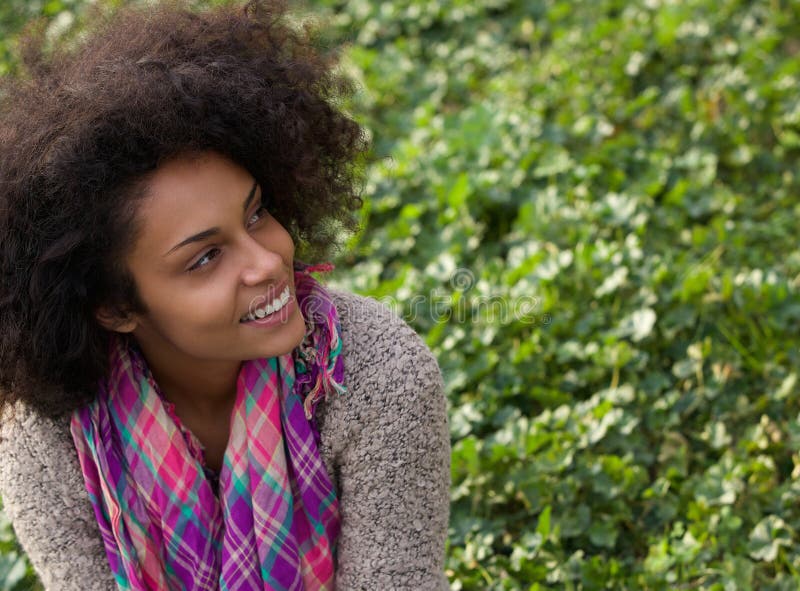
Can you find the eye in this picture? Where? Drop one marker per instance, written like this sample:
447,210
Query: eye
259,213
205,259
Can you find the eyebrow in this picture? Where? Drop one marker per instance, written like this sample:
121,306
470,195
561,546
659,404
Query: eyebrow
215,230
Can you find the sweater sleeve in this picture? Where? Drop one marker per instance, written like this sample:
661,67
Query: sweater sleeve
44,497
391,455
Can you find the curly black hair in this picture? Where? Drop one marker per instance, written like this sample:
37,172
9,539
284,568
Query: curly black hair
84,126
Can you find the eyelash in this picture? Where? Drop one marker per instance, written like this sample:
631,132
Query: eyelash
198,267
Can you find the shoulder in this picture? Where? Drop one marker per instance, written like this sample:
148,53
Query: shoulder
385,442
45,498
23,431
380,349
36,451
390,374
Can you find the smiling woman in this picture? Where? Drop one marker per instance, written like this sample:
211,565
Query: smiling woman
184,405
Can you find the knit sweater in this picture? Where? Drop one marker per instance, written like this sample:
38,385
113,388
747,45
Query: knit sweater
385,444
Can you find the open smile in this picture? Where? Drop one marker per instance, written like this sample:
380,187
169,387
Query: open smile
265,309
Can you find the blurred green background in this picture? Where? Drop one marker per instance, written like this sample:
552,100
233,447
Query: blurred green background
590,211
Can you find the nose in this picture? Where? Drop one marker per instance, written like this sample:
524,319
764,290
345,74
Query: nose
261,264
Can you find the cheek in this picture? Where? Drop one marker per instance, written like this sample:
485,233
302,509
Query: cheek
211,303
178,307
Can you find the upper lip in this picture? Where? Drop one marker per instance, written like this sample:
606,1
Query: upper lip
258,301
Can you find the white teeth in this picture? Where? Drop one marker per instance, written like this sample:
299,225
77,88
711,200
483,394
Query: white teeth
278,303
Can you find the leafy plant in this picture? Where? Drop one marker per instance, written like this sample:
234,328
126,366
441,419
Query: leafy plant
15,571
628,171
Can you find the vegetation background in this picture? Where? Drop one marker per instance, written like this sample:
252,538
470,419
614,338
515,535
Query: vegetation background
589,208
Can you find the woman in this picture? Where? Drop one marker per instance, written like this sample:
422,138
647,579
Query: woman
185,406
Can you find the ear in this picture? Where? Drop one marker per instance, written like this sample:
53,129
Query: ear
114,321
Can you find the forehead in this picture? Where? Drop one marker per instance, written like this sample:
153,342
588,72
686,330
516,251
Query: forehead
202,177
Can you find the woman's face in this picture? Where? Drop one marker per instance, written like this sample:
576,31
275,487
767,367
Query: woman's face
208,255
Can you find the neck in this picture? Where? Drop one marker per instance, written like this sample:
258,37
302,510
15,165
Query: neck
206,390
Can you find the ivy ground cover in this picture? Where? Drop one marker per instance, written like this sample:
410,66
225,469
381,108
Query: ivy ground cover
590,210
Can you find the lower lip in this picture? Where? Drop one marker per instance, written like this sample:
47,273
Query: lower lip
276,318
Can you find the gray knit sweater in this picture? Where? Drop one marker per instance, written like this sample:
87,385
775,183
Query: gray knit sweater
385,444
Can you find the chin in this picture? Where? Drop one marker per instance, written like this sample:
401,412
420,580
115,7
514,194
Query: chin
288,339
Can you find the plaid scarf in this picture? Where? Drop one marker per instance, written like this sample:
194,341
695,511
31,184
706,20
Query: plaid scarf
276,521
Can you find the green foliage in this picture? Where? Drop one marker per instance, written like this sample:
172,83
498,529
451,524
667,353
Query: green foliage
629,171
58,16
15,571
589,209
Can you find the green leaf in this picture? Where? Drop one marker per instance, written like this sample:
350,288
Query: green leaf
543,527
767,537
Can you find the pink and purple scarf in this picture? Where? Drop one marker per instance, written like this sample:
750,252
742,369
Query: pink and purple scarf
276,521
